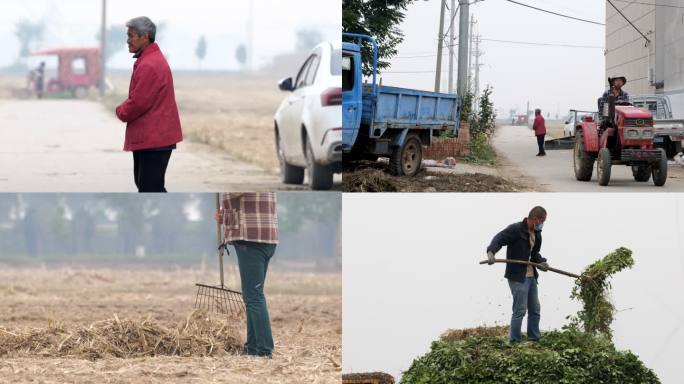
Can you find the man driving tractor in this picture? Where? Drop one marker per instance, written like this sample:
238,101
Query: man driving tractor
616,84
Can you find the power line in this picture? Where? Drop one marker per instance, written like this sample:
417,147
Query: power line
657,5
630,23
560,45
545,44
555,13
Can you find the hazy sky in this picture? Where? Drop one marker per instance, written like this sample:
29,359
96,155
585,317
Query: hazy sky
410,270
551,78
76,22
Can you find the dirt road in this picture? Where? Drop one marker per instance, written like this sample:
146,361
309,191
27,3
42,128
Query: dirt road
554,172
76,146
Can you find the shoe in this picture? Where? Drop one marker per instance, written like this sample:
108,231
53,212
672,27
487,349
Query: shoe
539,154
543,154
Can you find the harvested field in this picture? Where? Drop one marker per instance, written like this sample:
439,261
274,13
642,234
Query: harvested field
232,112
137,325
372,178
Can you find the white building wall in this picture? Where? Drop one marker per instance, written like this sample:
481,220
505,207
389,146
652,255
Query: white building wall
627,53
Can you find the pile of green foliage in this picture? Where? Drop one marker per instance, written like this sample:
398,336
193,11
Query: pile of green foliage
568,356
582,352
593,289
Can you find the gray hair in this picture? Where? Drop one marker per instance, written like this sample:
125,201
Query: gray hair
142,25
537,213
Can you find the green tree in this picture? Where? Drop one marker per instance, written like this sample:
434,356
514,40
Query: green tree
201,49
116,40
241,55
28,33
307,39
379,19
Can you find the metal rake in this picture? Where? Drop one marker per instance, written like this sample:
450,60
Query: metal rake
219,298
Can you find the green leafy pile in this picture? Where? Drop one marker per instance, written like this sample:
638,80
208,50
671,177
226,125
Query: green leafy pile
568,356
580,353
593,289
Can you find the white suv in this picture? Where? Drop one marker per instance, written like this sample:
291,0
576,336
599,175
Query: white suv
308,123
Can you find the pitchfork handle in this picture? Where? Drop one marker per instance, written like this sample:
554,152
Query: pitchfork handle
532,263
219,238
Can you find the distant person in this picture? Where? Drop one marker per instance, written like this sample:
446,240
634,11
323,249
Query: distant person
616,84
523,242
251,225
153,125
539,127
40,80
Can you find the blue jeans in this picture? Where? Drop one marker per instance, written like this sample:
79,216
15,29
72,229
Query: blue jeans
525,299
253,261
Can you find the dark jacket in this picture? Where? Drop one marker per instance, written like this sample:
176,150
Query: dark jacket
516,238
150,110
622,96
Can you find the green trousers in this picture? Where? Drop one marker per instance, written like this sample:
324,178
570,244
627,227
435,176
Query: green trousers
253,261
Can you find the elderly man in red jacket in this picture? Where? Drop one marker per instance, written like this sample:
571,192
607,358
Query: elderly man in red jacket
153,125
539,128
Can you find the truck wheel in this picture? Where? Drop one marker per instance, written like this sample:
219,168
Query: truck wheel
641,172
320,176
603,166
659,170
289,174
583,161
406,160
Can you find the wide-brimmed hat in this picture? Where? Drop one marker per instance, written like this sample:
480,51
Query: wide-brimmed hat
611,79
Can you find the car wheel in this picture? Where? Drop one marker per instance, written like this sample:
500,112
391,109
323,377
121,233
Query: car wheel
289,174
320,176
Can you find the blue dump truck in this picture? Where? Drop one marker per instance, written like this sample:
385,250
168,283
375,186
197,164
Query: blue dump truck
380,121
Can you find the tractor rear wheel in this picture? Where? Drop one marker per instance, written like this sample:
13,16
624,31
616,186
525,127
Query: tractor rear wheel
659,170
583,161
603,167
641,172
406,159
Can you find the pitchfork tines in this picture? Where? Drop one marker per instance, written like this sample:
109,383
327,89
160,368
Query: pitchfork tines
219,299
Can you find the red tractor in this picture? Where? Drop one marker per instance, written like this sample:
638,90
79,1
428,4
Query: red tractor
623,137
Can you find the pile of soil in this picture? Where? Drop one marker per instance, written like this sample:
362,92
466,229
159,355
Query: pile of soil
367,378
374,178
198,335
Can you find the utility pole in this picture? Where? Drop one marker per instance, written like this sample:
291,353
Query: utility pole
470,53
250,37
103,48
440,43
462,47
476,81
451,46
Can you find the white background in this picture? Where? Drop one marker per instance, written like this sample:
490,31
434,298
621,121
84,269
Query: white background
410,270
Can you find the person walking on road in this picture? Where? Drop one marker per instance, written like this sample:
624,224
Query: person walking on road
523,241
153,125
251,225
539,127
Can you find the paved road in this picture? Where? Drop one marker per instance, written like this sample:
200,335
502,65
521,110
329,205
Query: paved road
76,146
554,172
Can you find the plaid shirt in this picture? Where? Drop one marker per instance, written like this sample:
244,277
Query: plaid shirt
250,216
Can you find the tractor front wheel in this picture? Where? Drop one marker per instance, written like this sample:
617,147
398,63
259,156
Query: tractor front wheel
603,166
659,170
641,172
583,161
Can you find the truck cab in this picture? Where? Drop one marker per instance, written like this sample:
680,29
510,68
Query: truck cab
351,93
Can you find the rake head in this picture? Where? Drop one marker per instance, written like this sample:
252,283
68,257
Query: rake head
219,299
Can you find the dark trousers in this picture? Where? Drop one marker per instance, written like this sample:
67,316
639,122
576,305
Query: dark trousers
540,143
253,259
149,170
